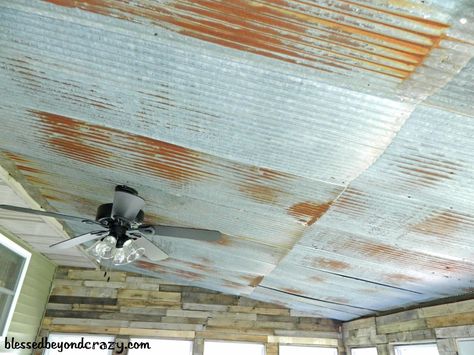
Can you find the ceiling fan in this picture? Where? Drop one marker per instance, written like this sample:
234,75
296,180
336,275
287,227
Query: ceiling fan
123,237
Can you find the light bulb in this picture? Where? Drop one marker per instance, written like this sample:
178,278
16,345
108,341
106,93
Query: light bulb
128,253
105,248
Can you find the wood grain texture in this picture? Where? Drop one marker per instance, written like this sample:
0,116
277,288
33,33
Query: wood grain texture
130,305
441,324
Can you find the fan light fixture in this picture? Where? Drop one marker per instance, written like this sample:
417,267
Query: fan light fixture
108,251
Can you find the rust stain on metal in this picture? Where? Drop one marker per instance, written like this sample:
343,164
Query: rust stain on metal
167,160
253,281
195,266
188,275
442,224
377,252
35,180
55,198
74,139
16,158
293,291
428,170
259,183
316,278
310,34
401,278
94,145
260,193
352,202
330,264
25,168
224,241
308,212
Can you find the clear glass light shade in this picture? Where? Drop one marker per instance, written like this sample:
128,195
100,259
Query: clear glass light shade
105,251
128,253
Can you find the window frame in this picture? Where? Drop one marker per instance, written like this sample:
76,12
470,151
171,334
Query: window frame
428,342
232,342
461,340
46,351
363,347
142,338
309,346
26,255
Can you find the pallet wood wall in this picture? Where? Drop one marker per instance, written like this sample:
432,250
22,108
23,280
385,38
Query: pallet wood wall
133,306
442,324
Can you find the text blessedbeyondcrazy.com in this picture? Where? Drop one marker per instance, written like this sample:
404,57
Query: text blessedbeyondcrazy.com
118,347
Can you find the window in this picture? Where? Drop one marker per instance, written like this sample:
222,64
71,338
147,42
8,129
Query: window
466,346
68,344
418,349
13,264
233,348
306,350
162,346
364,351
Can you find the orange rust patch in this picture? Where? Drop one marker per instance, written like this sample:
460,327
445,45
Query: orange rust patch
167,160
224,241
443,225
401,278
260,184
37,180
260,193
308,212
330,264
405,258
197,266
29,169
316,279
188,275
50,197
427,171
351,201
17,158
253,281
94,145
293,291
74,139
309,34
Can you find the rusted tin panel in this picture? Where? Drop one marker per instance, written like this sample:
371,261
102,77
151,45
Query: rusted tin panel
171,96
319,280
252,118
294,31
309,306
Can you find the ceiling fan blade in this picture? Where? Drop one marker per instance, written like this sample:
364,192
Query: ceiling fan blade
78,240
181,232
152,252
48,214
127,205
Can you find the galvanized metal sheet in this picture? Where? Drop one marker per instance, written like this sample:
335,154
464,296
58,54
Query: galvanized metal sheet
328,140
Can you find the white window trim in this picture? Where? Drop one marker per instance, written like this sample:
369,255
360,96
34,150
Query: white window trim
233,342
363,347
145,338
422,342
462,339
9,244
310,346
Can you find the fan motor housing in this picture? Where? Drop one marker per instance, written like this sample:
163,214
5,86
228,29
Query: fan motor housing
105,212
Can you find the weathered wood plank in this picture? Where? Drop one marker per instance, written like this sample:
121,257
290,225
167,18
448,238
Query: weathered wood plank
303,341
82,300
451,320
97,275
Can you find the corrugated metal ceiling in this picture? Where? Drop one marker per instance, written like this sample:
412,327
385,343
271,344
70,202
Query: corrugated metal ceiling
330,141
